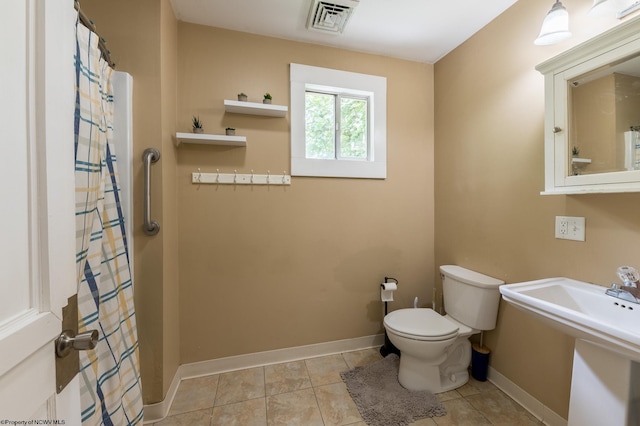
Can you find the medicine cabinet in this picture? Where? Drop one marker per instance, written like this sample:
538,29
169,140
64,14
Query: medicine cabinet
592,114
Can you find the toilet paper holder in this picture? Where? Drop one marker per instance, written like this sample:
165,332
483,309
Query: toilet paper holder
386,291
389,285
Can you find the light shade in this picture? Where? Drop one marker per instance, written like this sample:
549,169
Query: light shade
555,26
606,7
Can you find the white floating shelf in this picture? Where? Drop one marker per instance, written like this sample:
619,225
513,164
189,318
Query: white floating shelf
581,160
206,139
254,108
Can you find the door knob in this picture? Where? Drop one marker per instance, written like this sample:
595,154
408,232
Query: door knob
81,342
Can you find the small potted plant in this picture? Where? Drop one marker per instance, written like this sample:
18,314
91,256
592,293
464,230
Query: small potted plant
242,97
230,131
197,125
575,151
267,98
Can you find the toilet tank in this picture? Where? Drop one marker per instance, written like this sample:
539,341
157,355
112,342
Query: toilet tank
470,297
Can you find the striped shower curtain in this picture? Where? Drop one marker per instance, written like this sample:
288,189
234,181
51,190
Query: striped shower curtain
111,392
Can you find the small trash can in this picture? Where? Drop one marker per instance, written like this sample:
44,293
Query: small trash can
479,362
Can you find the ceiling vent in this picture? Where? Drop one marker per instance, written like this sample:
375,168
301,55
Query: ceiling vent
330,16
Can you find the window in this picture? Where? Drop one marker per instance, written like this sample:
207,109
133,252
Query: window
336,126
338,123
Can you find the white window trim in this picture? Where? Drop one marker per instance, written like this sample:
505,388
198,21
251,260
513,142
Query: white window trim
305,76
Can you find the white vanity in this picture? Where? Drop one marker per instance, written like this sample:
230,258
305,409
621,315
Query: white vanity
592,114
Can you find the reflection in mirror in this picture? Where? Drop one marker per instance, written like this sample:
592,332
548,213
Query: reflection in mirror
604,108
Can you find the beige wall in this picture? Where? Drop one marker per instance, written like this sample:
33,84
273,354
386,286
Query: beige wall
265,268
142,38
489,107
170,278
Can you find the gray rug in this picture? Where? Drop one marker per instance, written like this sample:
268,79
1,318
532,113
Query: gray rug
382,401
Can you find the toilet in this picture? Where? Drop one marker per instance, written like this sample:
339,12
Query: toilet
435,352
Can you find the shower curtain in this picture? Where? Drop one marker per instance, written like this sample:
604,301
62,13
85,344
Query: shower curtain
111,391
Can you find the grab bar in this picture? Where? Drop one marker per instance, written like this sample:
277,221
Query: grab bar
150,155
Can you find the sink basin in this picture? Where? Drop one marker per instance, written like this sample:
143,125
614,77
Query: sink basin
581,310
606,355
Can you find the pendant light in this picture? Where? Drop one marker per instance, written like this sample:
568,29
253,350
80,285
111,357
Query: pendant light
555,26
606,7
600,8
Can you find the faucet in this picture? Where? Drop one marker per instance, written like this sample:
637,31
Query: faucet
630,289
628,293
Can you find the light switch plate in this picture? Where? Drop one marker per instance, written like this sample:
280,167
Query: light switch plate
570,228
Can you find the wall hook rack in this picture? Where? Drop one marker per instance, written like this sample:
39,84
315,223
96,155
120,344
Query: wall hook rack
236,178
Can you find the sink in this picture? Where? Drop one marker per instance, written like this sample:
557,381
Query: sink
581,310
607,348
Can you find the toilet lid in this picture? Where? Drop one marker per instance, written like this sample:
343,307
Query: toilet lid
420,324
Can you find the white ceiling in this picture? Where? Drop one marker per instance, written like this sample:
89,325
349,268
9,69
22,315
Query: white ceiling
417,30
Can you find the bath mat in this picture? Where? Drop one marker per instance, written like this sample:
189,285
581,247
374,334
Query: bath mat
382,401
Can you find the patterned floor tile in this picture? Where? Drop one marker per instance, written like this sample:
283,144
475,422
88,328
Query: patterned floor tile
193,418
287,377
195,394
461,413
294,408
501,410
326,369
363,357
311,393
336,406
246,413
240,385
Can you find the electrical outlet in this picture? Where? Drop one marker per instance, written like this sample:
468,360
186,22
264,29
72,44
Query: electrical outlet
570,228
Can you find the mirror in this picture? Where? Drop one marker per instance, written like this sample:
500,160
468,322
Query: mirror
592,114
604,106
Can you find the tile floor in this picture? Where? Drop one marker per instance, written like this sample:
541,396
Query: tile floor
311,393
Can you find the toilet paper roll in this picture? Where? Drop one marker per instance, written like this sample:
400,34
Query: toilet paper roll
386,291
389,286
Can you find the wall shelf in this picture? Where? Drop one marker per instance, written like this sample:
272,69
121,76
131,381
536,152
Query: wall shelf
207,139
254,108
581,161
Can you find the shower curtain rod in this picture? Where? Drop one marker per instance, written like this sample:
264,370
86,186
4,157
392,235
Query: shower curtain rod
106,54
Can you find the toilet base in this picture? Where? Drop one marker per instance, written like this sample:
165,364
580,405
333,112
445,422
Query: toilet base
453,381
448,373
415,376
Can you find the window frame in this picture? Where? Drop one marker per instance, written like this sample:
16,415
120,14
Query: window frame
350,84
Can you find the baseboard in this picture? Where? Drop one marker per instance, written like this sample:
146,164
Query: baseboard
156,412
531,404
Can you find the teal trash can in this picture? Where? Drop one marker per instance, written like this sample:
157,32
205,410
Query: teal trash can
479,362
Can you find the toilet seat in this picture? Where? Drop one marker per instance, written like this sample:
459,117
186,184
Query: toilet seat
420,324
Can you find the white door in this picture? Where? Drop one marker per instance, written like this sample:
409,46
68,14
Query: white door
37,228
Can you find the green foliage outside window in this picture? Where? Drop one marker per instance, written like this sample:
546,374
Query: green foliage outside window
320,127
353,135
